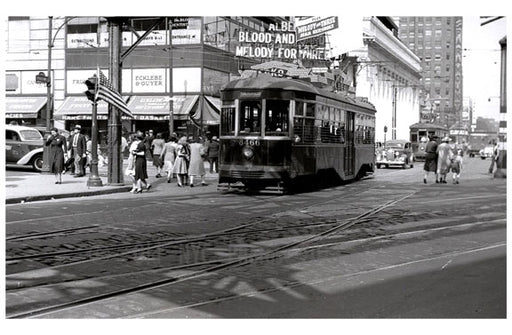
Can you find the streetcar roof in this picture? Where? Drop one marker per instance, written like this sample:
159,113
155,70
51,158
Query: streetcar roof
431,126
265,82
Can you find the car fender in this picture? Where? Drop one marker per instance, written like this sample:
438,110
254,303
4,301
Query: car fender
26,159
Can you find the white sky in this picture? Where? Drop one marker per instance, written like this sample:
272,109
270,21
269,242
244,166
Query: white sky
481,64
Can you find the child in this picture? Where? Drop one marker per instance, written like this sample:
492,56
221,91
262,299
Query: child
456,166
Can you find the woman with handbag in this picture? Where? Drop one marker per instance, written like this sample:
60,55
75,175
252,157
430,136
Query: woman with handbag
181,164
130,168
58,148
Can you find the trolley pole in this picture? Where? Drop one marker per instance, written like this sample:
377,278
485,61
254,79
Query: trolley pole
115,162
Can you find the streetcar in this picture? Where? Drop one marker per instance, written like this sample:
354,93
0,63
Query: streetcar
420,135
275,131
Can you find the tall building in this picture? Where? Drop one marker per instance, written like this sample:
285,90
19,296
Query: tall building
437,41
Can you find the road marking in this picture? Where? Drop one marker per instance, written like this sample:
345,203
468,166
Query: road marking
442,268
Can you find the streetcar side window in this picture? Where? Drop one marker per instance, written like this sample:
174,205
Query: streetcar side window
227,123
250,117
276,117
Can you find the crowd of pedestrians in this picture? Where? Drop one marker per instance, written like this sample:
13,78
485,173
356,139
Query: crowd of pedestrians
441,160
182,158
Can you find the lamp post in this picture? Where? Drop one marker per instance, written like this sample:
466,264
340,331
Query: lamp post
171,99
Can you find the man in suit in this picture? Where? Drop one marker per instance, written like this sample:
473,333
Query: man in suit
78,145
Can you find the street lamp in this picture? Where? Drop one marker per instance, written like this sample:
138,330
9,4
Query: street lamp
49,97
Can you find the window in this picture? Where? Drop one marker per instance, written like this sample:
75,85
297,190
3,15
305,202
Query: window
19,34
250,117
227,123
276,117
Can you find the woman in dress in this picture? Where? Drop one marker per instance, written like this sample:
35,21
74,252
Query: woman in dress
444,154
431,159
196,168
158,145
58,148
130,168
168,156
181,164
141,172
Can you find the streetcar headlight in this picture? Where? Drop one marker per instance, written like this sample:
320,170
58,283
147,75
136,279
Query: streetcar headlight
247,152
297,138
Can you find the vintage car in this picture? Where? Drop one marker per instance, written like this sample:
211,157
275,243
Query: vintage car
486,152
24,146
395,153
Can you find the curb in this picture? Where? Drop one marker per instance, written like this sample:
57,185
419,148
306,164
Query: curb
66,195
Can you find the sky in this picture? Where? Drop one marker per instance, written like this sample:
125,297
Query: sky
481,64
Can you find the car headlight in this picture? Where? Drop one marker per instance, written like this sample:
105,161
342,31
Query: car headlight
247,152
401,158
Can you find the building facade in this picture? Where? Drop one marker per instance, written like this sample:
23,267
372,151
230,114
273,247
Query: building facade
199,50
389,74
437,41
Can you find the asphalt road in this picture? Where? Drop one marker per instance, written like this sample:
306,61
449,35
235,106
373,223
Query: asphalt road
384,247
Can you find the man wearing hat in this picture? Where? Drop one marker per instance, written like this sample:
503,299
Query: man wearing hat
78,145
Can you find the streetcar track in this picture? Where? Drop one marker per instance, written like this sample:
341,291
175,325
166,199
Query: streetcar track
298,249
230,264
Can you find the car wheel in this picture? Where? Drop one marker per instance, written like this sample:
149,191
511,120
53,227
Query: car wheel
37,163
483,158
378,166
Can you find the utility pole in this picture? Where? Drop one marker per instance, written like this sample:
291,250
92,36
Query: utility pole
501,163
115,160
171,97
49,100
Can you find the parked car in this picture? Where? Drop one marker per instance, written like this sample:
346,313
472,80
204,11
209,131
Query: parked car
395,153
42,130
486,152
24,146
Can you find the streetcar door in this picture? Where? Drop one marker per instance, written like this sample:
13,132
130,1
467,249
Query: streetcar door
349,151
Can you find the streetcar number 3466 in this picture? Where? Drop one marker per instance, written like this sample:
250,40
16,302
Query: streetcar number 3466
249,142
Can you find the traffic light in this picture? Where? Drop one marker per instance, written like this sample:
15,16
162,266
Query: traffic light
91,88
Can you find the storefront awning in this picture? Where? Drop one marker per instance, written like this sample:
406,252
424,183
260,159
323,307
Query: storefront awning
149,107
182,106
23,107
206,111
80,108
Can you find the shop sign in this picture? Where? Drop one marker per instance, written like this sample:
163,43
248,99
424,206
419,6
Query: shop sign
156,37
278,42
316,27
148,117
84,117
186,30
148,80
20,115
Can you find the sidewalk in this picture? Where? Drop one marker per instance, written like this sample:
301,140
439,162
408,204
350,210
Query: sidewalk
34,186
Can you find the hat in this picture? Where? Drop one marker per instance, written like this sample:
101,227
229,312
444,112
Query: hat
446,139
214,138
79,127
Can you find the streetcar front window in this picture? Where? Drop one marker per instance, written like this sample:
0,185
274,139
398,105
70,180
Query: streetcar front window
227,122
250,117
276,117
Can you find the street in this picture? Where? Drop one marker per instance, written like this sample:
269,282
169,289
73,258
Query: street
387,246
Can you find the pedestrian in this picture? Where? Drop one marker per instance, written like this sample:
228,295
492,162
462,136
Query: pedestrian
58,149
141,172
148,140
196,168
494,157
213,154
444,155
158,145
130,167
124,145
78,148
182,160
168,156
431,159
456,166
88,151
